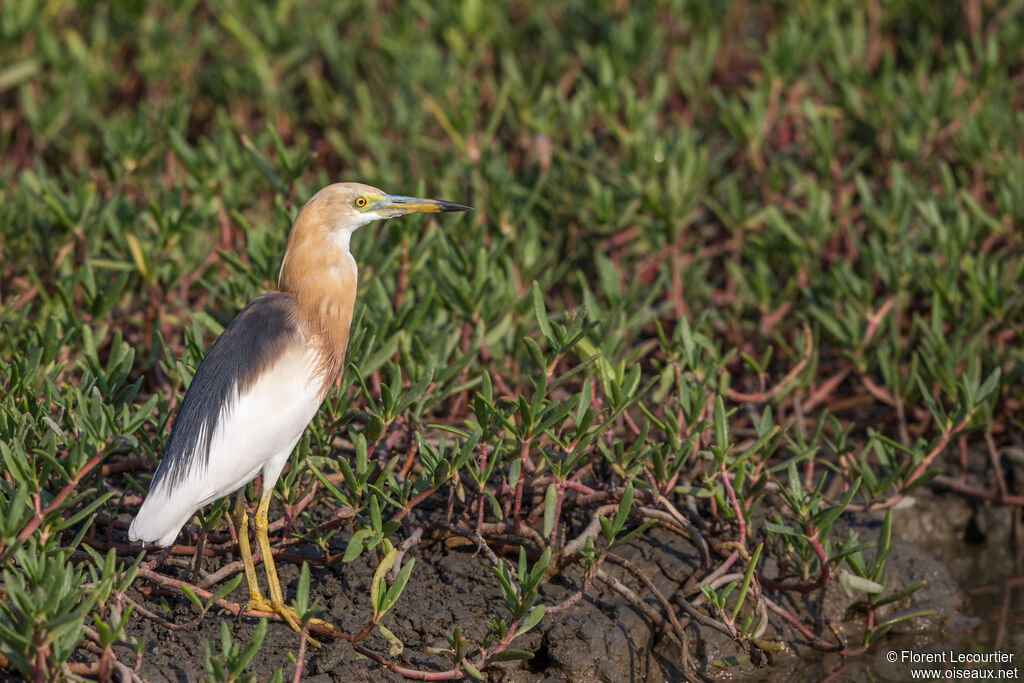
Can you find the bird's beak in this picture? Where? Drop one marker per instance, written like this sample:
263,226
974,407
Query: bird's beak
397,205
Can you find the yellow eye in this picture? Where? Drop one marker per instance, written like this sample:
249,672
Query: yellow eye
361,202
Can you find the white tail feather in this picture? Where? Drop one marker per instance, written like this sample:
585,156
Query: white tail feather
160,519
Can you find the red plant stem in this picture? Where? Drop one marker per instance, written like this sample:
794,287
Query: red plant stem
168,582
785,382
588,578
878,505
299,660
823,577
163,623
479,513
737,510
40,515
630,423
718,582
559,497
570,549
568,483
410,459
808,470
796,623
675,521
524,455
295,510
817,642
450,508
475,537
413,674
666,605
480,496
993,455
939,447
197,562
875,319
723,568
960,487
40,672
822,393
416,500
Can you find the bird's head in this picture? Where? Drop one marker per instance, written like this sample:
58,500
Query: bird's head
349,206
319,240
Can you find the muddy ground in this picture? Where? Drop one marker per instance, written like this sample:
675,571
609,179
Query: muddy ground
962,551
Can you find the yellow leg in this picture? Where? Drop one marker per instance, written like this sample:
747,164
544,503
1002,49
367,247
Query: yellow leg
242,529
256,600
273,584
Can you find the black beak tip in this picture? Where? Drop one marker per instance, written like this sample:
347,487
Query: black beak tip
447,207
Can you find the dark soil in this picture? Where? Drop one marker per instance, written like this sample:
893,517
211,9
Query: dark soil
604,637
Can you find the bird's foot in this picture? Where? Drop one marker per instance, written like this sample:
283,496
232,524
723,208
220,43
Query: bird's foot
286,612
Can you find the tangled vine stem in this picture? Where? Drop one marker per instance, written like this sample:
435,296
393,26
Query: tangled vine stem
723,558
780,387
656,507
58,500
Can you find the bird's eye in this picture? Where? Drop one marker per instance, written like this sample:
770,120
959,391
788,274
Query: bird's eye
360,202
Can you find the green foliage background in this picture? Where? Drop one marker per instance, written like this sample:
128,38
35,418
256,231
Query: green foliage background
689,184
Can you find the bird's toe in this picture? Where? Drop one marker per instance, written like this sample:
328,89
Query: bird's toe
287,613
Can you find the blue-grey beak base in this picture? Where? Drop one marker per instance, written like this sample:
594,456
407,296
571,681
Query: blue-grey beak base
402,205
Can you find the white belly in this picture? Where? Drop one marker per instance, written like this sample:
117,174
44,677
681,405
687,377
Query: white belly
263,427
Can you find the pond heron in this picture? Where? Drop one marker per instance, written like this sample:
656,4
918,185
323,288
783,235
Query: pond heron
265,377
